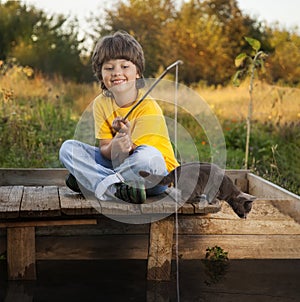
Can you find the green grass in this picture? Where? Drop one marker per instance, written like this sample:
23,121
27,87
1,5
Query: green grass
32,132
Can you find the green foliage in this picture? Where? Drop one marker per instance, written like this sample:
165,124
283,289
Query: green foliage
3,256
284,60
255,44
206,35
46,43
143,19
248,64
216,264
32,130
216,253
275,154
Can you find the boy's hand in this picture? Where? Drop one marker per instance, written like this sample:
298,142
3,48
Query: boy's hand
121,143
121,125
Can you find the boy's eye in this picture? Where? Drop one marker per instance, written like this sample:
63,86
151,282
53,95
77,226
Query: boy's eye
108,68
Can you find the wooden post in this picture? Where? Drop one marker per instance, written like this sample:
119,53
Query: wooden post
158,291
21,253
160,249
17,292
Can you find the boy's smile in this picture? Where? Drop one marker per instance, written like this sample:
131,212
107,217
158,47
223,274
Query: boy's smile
117,72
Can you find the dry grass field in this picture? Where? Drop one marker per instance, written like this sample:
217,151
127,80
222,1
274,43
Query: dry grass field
270,103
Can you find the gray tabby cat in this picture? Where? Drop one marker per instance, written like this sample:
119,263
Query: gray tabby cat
196,180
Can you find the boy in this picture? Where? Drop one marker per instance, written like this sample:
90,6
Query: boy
141,142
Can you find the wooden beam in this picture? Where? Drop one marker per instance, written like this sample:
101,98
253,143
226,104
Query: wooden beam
47,223
160,249
241,246
92,247
32,177
21,253
263,188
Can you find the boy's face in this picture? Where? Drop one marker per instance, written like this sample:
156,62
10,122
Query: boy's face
116,73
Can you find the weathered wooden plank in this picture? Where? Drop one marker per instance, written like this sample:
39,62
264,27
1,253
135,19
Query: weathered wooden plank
160,249
262,209
263,188
210,226
242,184
72,203
239,178
120,208
21,253
288,207
40,202
241,246
56,176
206,208
190,247
158,291
188,208
163,206
47,223
91,247
32,177
105,226
10,201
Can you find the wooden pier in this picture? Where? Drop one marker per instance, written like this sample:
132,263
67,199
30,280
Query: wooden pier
41,219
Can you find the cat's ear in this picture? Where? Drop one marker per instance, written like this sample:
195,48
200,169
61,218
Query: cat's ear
247,196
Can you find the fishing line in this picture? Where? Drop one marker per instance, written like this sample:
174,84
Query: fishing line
175,183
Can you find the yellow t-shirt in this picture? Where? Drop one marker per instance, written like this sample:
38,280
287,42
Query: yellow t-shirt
148,126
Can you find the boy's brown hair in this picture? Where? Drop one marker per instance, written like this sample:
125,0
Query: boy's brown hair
119,45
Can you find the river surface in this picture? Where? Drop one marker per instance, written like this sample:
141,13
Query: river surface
87,281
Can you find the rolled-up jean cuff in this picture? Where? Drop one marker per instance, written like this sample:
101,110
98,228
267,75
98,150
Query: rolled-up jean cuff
107,182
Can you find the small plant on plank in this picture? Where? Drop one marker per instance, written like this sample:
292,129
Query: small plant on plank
216,264
248,65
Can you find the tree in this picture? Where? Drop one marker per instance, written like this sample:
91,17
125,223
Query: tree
284,60
144,19
207,36
49,44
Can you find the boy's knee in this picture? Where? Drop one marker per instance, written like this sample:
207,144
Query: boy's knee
150,159
66,149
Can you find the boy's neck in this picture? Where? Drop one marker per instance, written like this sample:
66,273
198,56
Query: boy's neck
125,99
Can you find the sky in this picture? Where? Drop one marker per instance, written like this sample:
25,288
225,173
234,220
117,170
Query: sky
285,12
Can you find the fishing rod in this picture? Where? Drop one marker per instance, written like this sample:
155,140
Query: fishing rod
179,62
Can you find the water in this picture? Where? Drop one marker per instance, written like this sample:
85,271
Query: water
124,280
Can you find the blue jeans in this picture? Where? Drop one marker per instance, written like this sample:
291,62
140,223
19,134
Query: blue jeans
96,174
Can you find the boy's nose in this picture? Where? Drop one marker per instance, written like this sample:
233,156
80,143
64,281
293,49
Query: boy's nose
116,71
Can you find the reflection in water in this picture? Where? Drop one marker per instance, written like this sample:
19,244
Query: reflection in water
125,280
216,264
